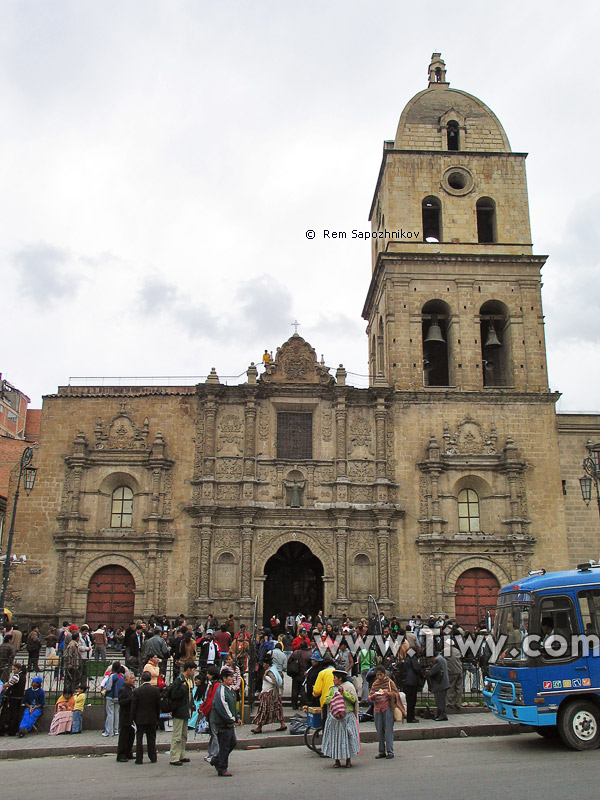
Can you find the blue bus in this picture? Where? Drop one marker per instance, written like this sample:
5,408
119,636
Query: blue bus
545,671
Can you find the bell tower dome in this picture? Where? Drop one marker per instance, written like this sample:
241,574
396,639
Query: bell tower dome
455,294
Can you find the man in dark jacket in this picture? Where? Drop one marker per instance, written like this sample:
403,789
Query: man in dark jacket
297,665
145,711
126,729
155,645
437,678
224,717
181,693
134,651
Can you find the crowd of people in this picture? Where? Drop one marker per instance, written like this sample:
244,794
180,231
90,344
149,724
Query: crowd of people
332,665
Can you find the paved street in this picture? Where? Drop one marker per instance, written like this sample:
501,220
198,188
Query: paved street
495,768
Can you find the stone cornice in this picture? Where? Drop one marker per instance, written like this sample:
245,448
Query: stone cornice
429,257
121,391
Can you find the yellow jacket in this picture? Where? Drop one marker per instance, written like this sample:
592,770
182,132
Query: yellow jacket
323,684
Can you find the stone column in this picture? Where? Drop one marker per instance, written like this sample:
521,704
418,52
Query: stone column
205,542
151,575
77,474
512,472
249,451
247,535
69,556
341,539
383,552
380,420
155,492
210,417
341,420
438,581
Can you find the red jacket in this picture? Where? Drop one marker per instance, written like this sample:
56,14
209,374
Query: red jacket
207,705
298,641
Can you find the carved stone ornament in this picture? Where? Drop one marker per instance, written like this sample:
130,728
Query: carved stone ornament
470,439
230,468
296,362
360,436
231,432
121,434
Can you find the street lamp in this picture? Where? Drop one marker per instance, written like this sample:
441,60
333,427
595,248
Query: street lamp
591,465
27,472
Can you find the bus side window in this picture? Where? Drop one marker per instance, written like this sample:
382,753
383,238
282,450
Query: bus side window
589,606
557,621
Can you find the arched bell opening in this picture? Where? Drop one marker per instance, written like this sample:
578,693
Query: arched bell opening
486,221
453,135
435,326
431,212
495,344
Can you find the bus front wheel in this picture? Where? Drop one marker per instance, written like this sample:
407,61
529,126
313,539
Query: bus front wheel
579,725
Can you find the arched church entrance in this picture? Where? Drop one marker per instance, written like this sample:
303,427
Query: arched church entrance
476,593
111,597
294,582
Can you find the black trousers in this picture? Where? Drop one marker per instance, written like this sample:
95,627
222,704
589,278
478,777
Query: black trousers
440,702
125,744
298,696
411,701
150,731
227,743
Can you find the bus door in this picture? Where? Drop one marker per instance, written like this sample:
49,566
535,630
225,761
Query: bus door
589,608
561,666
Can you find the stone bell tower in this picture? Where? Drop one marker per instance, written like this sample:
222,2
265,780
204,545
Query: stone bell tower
454,300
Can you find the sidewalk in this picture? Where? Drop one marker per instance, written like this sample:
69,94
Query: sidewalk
91,743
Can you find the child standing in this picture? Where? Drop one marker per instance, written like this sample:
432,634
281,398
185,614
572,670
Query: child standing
80,698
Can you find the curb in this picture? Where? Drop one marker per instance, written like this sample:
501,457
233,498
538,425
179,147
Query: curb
400,735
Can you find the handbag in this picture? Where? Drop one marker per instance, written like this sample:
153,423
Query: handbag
398,710
338,706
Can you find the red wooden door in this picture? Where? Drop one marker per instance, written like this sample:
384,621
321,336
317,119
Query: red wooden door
110,597
476,592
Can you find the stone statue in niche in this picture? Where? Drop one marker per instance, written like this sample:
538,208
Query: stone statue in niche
294,489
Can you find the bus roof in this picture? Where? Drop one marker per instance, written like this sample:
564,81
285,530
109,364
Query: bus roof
555,580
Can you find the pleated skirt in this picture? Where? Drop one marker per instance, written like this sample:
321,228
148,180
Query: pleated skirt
340,737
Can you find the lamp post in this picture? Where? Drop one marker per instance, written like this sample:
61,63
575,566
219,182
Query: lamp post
27,472
591,465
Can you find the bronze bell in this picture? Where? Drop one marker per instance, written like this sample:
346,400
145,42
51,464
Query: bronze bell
492,340
434,334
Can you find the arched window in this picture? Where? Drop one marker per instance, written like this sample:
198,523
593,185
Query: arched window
494,331
468,511
435,317
373,369
121,515
432,219
380,349
486,220
453,135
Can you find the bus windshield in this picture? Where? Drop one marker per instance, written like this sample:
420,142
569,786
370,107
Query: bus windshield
511,626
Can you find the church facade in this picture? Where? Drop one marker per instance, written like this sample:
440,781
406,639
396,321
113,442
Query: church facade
448,477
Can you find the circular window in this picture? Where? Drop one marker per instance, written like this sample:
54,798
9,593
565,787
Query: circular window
457,181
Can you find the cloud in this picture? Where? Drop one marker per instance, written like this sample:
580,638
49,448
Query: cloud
157,295
572,288
44,273
265,309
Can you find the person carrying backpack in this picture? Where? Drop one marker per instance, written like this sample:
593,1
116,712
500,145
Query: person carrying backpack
213,676
181,693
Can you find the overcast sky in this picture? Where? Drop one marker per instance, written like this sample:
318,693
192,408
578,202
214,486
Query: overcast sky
161,162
